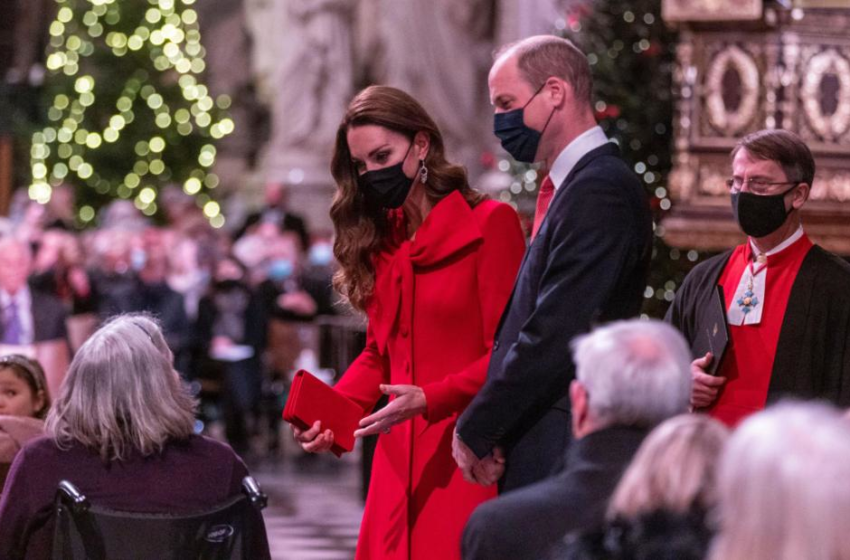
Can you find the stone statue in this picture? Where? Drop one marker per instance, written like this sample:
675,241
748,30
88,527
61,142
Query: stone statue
304,64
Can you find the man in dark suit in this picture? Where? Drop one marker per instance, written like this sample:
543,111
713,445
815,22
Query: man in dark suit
32,322
587,262
630,376
276,212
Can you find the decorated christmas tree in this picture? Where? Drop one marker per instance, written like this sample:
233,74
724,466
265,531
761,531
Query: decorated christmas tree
128,111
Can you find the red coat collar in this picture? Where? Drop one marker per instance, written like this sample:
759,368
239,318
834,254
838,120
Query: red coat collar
449,228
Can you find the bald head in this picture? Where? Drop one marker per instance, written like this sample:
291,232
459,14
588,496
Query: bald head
543,56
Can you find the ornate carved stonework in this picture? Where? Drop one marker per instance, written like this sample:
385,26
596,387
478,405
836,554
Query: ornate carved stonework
711,10
790,69
732,88
825,95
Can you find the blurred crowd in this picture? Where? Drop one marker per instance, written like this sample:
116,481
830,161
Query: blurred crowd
220,296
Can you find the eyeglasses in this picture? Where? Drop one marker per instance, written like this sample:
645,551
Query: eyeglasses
754,184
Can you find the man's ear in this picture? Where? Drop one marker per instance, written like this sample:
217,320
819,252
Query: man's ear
801,195
578,406
558,91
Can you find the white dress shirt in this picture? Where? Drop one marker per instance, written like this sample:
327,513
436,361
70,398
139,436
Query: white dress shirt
582,145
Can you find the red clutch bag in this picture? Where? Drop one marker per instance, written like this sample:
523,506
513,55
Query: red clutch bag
310,399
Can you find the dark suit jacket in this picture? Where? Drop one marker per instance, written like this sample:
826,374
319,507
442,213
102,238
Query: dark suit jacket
528,522
588,264
48,317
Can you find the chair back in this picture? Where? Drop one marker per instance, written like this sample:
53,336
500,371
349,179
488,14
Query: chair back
228,531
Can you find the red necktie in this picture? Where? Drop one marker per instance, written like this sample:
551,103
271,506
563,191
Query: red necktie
544,197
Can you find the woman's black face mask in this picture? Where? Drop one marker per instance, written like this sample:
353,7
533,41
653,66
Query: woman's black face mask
388,186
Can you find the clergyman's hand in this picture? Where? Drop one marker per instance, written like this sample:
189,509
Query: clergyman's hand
705,387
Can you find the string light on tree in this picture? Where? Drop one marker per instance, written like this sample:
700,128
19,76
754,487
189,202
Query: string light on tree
129,113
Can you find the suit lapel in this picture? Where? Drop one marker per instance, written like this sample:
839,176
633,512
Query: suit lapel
607,149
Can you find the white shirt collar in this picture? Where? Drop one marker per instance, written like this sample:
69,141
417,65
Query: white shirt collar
583,144
21,297
782,246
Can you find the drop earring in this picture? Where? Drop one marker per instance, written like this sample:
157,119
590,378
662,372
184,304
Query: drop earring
423,172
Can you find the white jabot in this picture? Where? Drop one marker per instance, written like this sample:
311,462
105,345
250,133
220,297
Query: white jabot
758,273
583,144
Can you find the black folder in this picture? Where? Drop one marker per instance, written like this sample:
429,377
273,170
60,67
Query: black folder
712,332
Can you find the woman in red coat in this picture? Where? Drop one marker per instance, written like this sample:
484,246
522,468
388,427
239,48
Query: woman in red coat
432,263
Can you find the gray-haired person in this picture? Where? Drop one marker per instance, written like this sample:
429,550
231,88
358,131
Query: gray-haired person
783,486
630,376
121,430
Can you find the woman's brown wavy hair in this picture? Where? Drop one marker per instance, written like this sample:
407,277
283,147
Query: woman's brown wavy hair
360,224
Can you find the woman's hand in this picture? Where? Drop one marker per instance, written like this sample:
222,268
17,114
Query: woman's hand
409,401
314,440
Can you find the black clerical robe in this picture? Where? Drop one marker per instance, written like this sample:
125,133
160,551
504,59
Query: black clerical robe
813,356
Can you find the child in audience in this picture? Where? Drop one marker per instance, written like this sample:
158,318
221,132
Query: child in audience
23,387
24,403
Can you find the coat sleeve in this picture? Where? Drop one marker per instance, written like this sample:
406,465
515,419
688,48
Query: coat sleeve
361,381
499,258
593,243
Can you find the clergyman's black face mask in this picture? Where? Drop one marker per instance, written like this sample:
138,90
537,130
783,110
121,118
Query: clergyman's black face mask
760,215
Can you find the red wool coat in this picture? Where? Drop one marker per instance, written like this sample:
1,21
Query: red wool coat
438,300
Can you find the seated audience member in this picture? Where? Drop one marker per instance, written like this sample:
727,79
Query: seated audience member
782,487
277,212
32,322
630,376
121,430
156,296
287,293
659,507
24,402
231,335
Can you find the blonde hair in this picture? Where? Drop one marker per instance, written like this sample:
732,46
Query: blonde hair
122,394
783,487
674,469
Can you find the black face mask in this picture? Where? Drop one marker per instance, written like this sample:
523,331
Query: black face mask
760,215
518,139
389,186
229,284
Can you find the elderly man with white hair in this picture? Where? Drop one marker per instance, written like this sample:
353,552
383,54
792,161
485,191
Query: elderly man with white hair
630,376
